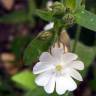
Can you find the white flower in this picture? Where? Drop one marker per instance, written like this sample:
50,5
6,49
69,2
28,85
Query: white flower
49,26
49,4
58,70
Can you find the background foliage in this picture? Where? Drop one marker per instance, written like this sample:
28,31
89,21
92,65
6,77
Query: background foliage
19,50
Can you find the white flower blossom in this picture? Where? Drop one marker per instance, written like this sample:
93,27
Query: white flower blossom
49,4
58,70
49,26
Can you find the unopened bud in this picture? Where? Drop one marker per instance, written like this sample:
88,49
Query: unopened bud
45,35
68,19
58,8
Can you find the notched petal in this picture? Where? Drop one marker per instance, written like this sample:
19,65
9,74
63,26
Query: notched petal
43,78
79,65
41,67
45,57
69,57
49,88
76,75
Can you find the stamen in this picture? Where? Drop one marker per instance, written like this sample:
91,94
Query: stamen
58,67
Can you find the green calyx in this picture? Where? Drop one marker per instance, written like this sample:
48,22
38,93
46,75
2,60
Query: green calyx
63,13
58,8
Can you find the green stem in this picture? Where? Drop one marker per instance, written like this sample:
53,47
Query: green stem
57,29
76,38
55,35
31,8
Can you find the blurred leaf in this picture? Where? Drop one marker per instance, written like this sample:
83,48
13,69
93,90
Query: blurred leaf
80,4
19,44
70,4
45,15
6,88
37,46
86,19
37,92
40,92
94,69
85,53
14,17
92,84
25,79
73,4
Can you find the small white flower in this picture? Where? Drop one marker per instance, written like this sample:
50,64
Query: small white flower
49,26
49,4
58,70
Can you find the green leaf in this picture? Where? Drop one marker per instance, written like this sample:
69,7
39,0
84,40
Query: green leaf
25,79
14,17
92,84
40,92
18,45
73,4
86,54
70,3
37,46
44,14
78,4
86,19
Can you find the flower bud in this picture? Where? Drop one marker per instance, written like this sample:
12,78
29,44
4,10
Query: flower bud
45,35
58,8
68,19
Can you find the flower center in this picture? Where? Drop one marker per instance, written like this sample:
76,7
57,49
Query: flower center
58,67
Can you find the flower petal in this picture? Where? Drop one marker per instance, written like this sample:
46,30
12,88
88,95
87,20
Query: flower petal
43,78
65,83
79,65
75,74
45,57
71,85
42,67
69,57
61,85
49,26
57,52
49,88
